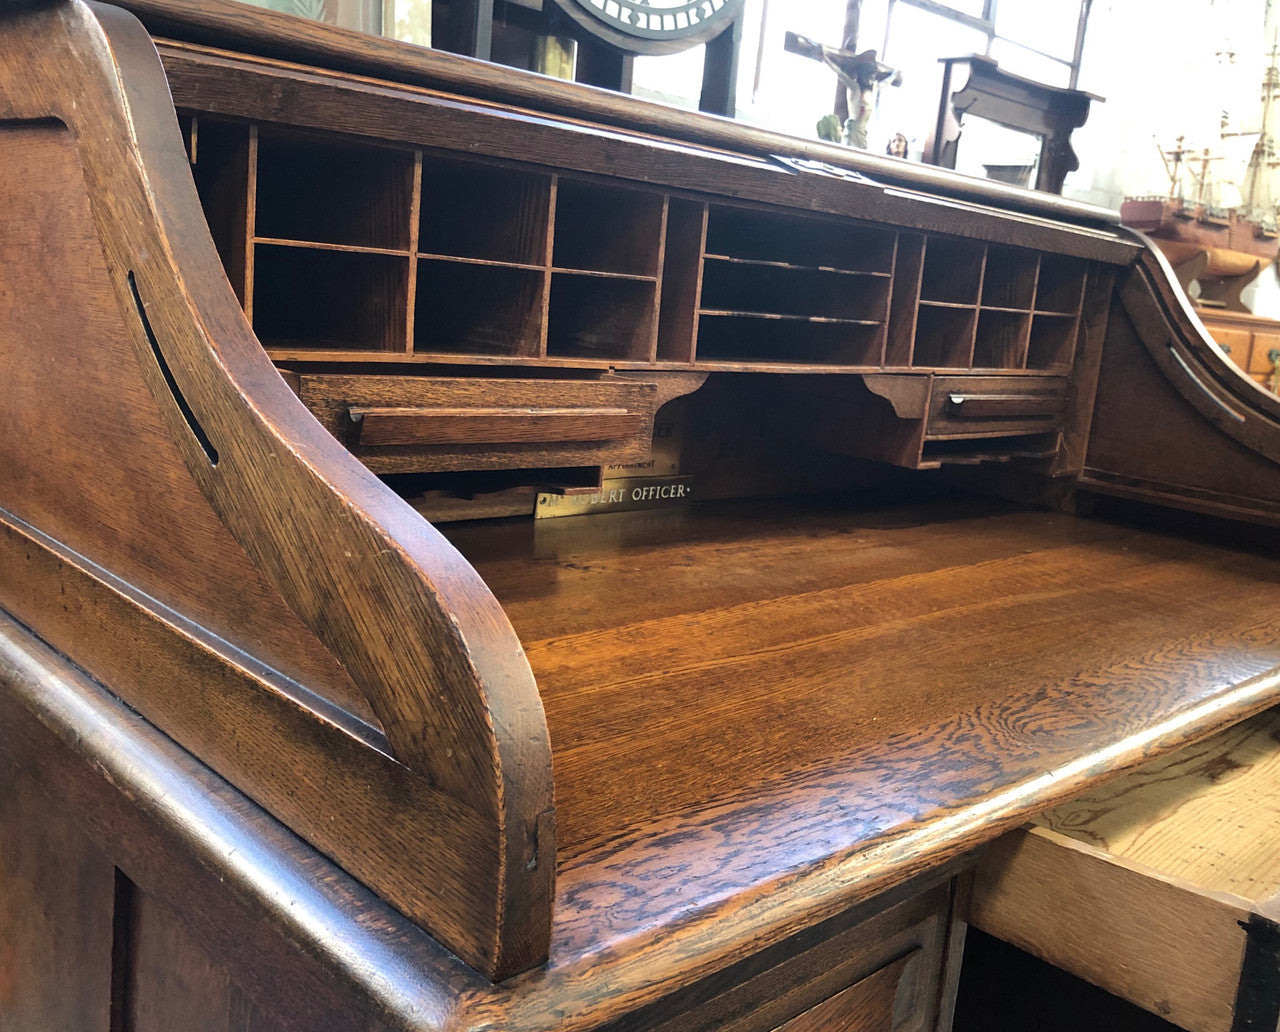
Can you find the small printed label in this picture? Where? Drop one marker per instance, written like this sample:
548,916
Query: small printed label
619,495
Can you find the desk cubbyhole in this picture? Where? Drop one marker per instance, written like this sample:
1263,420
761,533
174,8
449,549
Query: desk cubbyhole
789,341
469,308
1060,288
907,268
944,337
487,212
1001,342
221,167
746,287
681,279
1009,280
1053,342
601,317
333,194
952,270
323,299
607,229
807,242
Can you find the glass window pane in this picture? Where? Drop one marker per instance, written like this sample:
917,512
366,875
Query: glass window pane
1019,61
794,92
997,152
916,40
672,78
412,22
972,7
1049,26
350,14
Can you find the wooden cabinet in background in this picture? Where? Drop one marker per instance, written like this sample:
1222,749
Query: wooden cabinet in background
1250,341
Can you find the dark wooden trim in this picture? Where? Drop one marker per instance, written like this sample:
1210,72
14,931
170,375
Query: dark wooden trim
603,66
279,36
470,29
720,72
230,85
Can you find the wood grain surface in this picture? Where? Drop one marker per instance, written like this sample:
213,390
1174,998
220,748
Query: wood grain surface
862,682
865,1007
95,152
1160,886
1208,814
173,983
1163,383
296,929
335,946
764,719
56,910
256,905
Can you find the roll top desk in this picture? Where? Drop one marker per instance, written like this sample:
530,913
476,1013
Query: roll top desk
308,724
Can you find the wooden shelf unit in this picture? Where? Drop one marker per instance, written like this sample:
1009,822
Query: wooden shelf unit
793,289
348,252
375,249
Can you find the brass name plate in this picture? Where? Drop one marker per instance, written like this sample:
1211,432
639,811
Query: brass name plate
618,495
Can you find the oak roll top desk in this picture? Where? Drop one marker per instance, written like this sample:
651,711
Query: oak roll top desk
295,738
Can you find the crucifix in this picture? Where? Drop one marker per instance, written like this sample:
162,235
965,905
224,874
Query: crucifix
859,73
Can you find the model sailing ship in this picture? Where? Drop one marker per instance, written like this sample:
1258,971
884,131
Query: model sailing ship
1236,241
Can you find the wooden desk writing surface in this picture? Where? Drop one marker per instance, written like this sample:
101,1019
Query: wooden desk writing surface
813,658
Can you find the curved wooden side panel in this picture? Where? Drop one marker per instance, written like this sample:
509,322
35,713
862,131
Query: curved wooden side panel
138,375
1175,422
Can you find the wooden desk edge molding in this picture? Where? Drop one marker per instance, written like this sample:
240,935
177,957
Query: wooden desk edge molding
467,767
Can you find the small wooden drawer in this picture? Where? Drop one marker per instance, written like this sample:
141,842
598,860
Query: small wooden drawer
1162,887
873,1004
875,974
1235,343
1263,345
415,424
971,406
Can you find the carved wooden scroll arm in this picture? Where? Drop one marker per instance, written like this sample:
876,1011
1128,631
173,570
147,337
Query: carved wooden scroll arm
409,619
1192,360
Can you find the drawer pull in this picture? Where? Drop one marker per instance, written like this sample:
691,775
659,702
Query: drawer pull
407,426
1003,406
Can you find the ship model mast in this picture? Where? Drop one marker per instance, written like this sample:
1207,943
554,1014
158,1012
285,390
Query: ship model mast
1259,196
1221,249
1174,160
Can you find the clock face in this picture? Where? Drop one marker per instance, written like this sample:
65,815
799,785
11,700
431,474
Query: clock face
657,19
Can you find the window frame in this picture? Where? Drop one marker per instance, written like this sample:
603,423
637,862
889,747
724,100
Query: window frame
986,24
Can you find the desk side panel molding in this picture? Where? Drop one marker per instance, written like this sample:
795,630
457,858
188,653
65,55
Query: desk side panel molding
225,491
1164,383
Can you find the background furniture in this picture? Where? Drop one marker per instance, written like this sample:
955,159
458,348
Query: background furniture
975,85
